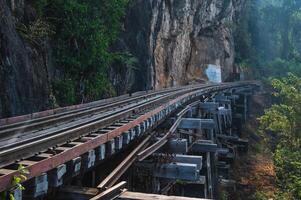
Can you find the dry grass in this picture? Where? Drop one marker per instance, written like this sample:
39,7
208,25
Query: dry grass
255,174
254,171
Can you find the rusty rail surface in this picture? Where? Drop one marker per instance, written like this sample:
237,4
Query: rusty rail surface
41,122
11,122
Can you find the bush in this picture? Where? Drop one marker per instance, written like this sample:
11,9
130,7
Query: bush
260,196
284,119
64,90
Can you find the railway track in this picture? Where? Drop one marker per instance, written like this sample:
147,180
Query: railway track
86,128
23,142
68,115
106,188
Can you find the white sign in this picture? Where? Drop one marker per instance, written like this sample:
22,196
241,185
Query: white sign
214,73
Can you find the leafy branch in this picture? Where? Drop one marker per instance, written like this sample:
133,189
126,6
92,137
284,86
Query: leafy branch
16,183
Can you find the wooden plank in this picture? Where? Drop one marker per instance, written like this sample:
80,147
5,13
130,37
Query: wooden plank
139,196
111,193
76,193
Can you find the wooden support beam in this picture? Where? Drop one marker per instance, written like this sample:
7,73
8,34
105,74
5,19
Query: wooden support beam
208,106
76,193
221,98
181,171
110,147
111,193
139,196
74,167
194,123
88,160
38,186
124,165
101,152
56,175
177,146
201,147
126,138
17,193
189,160
178,158
118,143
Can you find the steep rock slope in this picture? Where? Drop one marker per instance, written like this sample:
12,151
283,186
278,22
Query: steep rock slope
175,40
24,84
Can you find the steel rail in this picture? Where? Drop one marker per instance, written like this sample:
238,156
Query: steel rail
49,163
26,148
68,127
39,123
16,140
12,122
75,151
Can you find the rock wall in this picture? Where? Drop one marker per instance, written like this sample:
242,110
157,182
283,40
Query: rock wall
24,85
175,40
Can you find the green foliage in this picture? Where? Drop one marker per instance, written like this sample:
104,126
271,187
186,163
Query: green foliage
101,87
64,91
16,183
288,169
280,67
224,195
35,32
268,36
127,59
181,182
284,119
84,32
260,196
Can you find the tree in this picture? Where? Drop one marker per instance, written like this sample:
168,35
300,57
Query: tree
284,119
84,32
269,31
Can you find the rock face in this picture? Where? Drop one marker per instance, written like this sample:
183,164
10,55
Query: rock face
175,40
24,82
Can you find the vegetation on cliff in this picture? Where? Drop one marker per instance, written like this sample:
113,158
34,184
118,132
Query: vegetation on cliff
83,32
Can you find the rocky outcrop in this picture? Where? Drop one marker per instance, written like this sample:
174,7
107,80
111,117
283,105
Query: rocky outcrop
175,40
24,86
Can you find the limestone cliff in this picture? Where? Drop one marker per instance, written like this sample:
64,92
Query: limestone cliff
175,40
24,86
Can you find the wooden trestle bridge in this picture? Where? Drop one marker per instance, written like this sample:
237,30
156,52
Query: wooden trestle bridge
178,141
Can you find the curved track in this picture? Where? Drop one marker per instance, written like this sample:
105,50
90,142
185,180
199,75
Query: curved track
92,126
